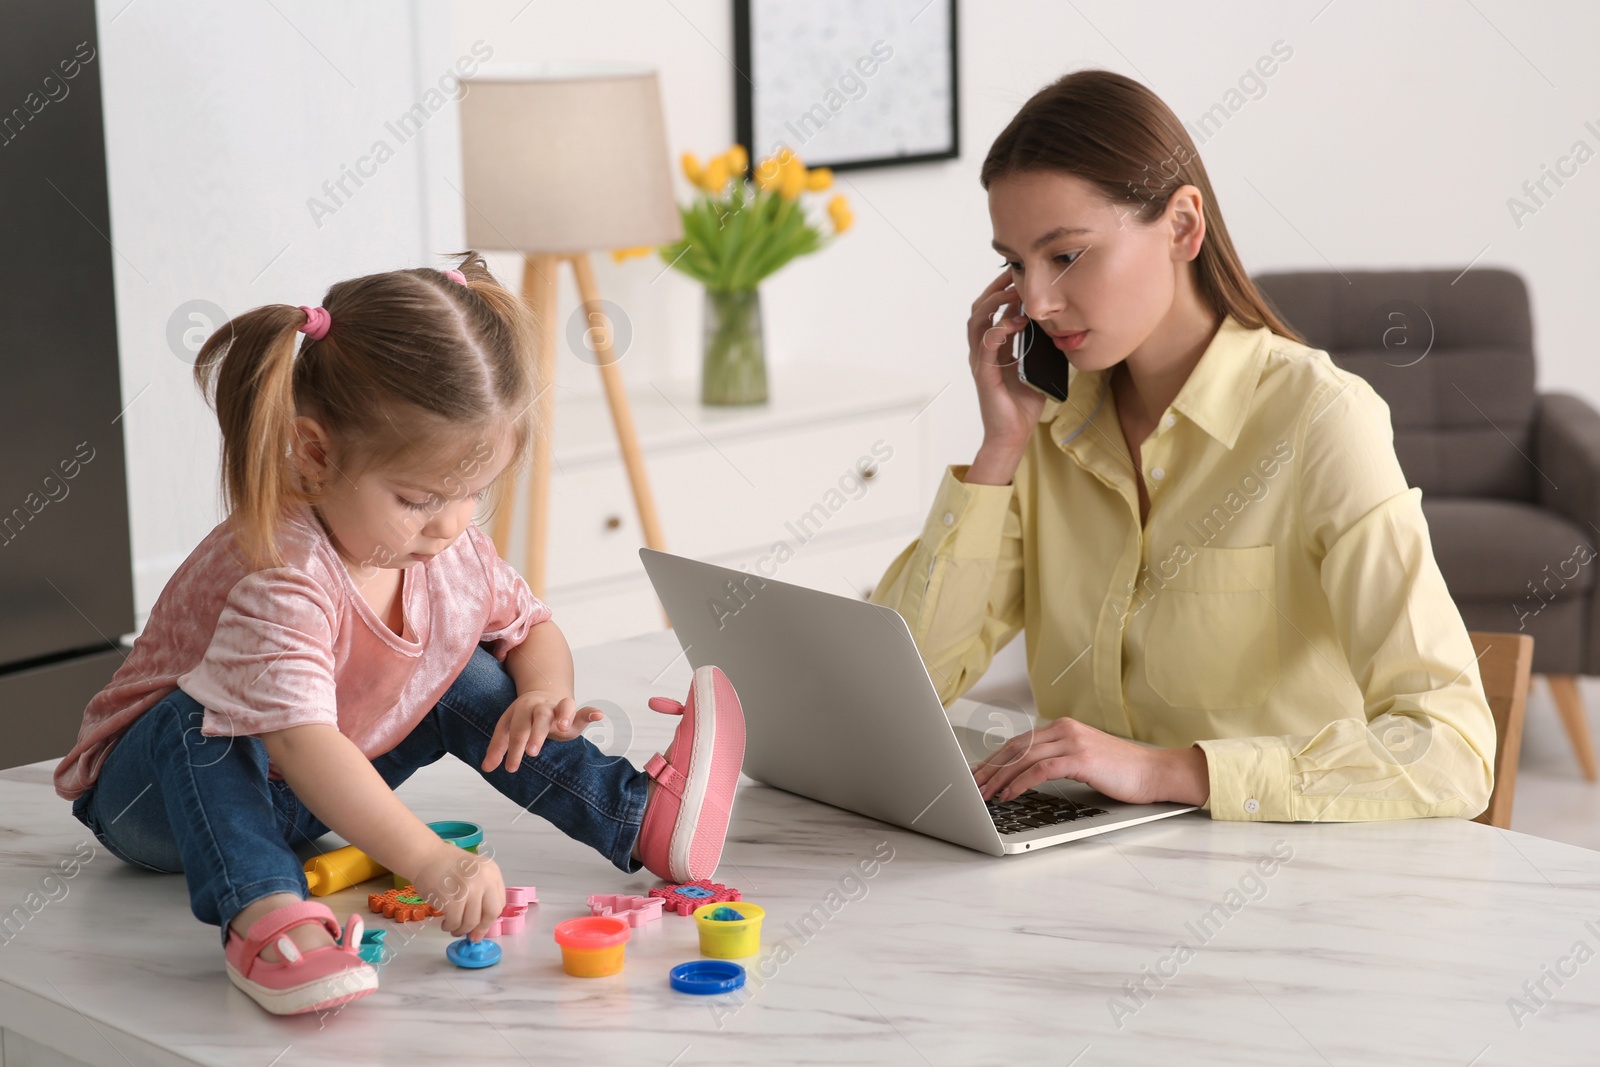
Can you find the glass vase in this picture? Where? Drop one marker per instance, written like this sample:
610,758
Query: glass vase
733,367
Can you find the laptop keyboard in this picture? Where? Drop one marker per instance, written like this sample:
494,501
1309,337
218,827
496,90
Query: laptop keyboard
1034,809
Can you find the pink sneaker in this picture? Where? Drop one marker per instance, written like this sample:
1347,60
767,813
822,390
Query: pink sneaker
300,981
686,820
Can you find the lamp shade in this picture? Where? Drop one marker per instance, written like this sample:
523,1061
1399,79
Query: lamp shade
563,158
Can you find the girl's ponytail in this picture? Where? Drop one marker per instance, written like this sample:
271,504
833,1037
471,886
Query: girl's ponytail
246,372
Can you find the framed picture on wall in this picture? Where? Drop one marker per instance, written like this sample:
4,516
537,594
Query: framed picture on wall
847,83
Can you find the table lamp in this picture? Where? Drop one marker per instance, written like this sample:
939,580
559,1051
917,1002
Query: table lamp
559,161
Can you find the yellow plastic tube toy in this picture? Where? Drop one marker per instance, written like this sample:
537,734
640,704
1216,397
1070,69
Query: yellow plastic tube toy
340,869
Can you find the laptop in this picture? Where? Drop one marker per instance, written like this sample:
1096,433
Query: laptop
839,708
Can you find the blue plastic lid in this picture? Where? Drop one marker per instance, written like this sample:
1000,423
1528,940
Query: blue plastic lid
466,953
705,977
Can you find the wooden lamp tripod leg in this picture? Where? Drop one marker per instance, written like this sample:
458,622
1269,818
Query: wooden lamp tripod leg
539,291
539,277
617,400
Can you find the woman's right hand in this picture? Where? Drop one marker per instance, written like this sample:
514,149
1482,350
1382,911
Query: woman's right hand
467,887
1010,409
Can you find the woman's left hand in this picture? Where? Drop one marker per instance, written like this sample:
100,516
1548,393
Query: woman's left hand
531,718
1120,769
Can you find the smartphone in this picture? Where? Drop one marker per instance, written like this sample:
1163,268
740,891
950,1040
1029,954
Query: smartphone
1040,364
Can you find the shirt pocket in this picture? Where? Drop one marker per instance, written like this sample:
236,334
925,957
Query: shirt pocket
1213,636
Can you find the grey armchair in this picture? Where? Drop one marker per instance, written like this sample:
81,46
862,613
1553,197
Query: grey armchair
1510,477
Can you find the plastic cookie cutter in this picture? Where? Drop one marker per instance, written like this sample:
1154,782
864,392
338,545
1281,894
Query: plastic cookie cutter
401,905
684,898
636,910
514,914
372,949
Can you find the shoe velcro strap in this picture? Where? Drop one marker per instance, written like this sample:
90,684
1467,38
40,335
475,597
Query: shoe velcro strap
266,929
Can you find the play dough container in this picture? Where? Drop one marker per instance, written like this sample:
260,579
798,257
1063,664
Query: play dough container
592,947
467,835
729,939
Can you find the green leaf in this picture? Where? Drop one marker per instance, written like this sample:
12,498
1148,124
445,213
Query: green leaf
734,241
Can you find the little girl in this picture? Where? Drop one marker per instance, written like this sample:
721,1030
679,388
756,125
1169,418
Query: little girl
348,624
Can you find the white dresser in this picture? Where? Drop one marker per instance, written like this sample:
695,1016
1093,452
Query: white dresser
822,486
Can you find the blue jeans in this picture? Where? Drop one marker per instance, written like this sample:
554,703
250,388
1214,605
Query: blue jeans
171,799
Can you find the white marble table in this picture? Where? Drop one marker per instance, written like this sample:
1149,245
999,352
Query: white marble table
1397,943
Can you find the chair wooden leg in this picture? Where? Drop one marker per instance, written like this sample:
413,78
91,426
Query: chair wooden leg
1564,688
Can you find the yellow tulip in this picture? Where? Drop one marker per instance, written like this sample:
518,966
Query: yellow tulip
839,211
691,168
794,178
620,254
738,159
819,179
770,170
716,175
763,174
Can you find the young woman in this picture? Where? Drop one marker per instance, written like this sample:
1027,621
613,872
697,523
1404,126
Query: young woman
1227,588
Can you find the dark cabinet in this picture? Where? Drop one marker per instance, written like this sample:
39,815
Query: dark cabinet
66,590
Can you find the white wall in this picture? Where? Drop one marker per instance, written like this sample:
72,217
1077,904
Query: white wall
1393,137
222,121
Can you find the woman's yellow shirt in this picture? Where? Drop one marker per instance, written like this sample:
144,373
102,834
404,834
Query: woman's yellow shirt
1281,607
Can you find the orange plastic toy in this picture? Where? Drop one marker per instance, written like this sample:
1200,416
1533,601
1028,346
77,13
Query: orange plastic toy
401,905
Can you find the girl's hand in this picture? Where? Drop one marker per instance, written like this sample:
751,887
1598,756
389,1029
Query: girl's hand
467,887
531,718
1120,769
1010,409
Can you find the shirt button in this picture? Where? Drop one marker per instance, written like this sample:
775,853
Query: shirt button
949,519
1169,420
1157,473
1252,805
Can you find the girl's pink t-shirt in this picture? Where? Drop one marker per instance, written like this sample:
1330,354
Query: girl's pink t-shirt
268,649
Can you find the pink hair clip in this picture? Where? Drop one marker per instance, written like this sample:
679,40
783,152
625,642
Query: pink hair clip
456,276
317,322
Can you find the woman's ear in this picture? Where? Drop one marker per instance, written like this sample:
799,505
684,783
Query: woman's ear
1185,212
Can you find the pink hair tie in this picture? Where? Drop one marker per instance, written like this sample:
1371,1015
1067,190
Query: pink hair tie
456,276
317,322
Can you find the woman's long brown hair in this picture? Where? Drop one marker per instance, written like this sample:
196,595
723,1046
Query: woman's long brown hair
1118,135
415,370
